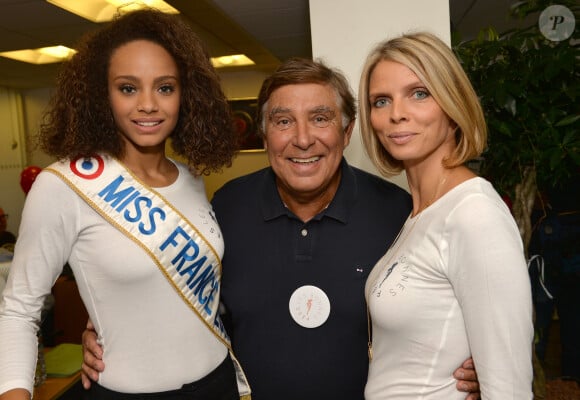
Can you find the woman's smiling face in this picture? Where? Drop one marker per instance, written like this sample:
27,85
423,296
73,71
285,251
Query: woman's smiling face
408,121
144,93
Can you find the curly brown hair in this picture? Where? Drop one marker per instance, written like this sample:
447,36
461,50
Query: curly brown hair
79,120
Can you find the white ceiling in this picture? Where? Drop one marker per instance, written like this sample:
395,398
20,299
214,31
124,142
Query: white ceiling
268,31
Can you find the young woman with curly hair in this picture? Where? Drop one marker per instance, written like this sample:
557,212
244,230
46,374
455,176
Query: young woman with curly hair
135,226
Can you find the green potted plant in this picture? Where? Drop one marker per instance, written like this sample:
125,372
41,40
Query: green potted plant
529,88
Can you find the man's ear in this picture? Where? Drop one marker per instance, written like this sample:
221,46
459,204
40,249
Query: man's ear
348,132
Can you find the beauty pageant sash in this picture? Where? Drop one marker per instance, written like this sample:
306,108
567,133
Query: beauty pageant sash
182,254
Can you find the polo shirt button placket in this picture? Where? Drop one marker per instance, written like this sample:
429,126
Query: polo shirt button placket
304,243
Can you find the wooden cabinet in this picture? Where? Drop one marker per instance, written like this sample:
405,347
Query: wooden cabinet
69,313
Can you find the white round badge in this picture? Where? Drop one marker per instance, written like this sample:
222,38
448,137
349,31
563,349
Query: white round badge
309,306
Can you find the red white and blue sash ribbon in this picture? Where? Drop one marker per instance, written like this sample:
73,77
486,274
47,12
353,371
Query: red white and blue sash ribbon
179,250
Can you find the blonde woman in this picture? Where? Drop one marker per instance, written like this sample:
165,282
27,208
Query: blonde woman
454,284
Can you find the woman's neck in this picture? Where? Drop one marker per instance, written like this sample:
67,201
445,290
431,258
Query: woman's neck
430,184
153,169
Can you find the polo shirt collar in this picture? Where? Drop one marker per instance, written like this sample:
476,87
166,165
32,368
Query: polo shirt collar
339,208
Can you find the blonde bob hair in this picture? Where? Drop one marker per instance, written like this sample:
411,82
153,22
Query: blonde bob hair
439,70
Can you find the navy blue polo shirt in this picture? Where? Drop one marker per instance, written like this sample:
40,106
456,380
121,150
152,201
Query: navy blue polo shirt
269,253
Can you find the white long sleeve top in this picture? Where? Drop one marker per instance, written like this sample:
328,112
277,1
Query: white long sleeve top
152,340
453,285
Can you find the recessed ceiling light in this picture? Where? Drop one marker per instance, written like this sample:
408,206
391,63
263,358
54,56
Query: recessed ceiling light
44,55
235,60
106,10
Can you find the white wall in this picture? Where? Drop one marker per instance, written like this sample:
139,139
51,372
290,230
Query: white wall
242,85
20,114
35,102
12,156
344,31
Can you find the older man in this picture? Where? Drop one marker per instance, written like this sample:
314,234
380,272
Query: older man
301,237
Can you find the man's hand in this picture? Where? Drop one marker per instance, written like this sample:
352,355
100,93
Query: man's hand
92,356
15,394
467,380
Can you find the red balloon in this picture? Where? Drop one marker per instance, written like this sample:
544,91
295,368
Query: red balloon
27,177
